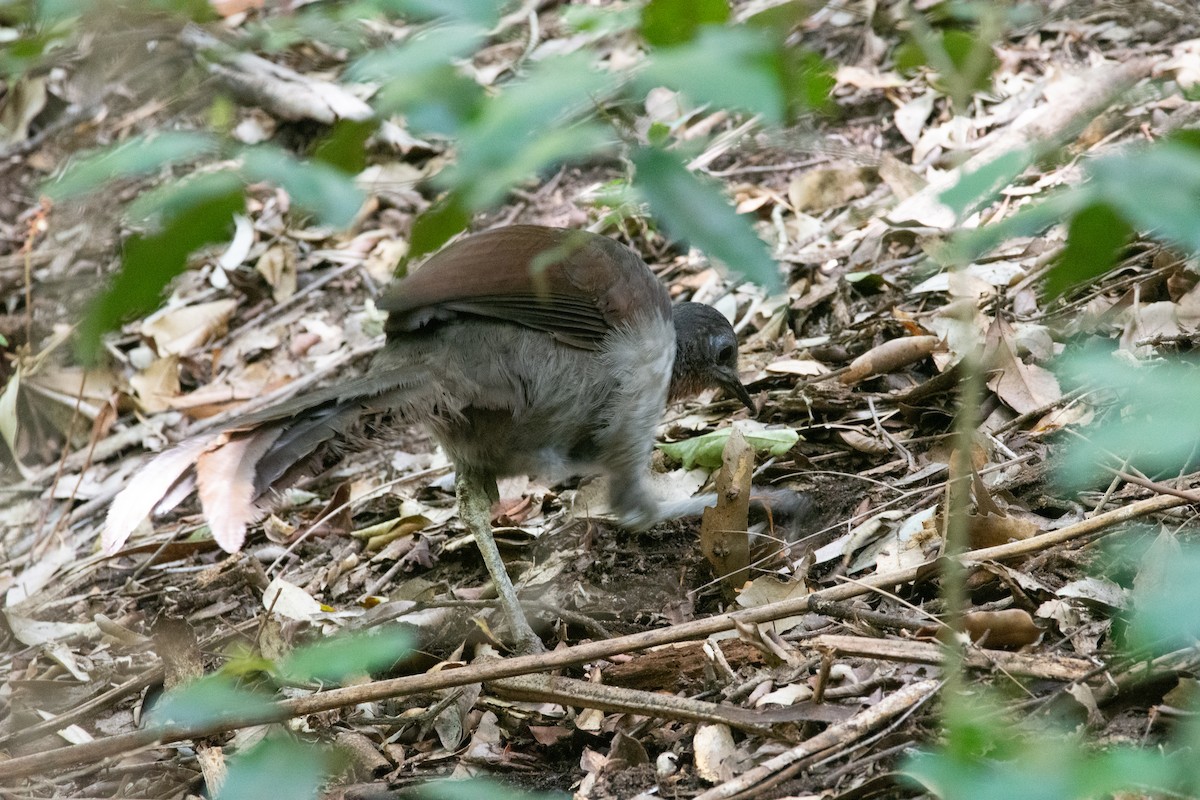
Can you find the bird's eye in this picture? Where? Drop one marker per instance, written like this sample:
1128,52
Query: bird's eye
727,354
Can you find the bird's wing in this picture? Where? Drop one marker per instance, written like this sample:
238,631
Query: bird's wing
575,285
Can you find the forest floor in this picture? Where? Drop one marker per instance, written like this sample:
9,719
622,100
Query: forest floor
847,204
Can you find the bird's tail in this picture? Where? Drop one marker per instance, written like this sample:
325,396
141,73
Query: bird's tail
233,468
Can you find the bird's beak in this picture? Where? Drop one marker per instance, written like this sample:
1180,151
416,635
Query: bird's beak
729,381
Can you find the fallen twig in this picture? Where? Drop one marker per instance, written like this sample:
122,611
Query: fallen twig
24,766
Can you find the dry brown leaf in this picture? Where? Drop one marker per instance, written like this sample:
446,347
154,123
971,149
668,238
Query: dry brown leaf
899,177
278,267
1009,629
863,442
888,357
179,331
1020,386
989,530
156,385
225,483
821,189
242,383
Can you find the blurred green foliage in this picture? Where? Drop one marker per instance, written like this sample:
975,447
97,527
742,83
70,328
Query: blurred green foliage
987,754
1151,189
280,765
552,111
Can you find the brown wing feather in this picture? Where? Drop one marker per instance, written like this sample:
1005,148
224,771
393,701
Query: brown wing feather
574,285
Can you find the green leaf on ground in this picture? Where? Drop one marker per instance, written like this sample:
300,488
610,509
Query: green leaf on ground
706,450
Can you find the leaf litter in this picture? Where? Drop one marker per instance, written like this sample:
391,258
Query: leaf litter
853,209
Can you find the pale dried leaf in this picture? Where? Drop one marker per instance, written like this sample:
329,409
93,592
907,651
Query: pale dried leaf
278,267
785,695
152,482
35,632
225,482
289,600
35,577
182,330
239,247
910,117
155,386
797,366
715,753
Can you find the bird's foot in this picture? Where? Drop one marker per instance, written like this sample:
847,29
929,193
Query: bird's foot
527,643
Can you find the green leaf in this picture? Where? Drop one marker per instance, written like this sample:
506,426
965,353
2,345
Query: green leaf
601,21
279,766
1156,189
1094,239
667,22
328,193
346,655
706,450
528,127
150,261
975,189
747,75
419,79
484,13
427,51
1048,769
436,225
210,700
808,81
138,156
968,52
487,186
1167,609
174,198
987,755
1029,221
963,60
1150,425
344,147
693,209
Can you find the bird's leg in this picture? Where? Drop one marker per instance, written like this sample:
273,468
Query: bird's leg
475,510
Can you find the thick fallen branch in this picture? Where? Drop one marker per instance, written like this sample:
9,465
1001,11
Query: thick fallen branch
493,670
1053,667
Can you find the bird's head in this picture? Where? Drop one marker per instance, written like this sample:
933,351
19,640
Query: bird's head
705,354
